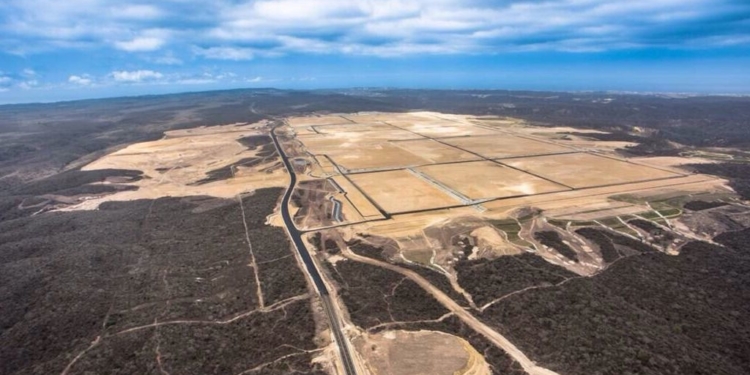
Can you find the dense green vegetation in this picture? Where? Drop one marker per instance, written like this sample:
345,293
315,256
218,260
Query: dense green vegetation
552,239
738,175
69,277
375,295
648,314
487,279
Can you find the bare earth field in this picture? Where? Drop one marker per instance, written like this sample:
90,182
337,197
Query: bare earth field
485,179
420,353
435,152
505,146
358,200
585,170
443,128
403,192
380,156
177,164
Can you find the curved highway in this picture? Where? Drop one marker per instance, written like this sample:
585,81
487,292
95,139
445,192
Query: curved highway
312,269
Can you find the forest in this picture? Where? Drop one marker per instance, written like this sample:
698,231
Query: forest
70,277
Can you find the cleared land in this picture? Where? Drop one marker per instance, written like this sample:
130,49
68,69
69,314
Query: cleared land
484,179
443,128
585,170
380,156
435,152
505,146
403,191
421,352
363,206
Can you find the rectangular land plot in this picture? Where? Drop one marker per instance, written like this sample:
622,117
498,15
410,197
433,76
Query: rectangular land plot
376,156
438,129
349,128
585,170
485,179
505,146
363,206
434,151
401,191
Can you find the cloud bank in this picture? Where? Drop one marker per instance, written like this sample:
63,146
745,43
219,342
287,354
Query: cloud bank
240,30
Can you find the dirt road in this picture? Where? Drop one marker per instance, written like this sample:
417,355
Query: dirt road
530,367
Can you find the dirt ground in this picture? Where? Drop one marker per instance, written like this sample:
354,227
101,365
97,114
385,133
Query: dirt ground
420,353
384,155
442,128
484,179
505,145
585,170
403,191
435,152
357,199
174,165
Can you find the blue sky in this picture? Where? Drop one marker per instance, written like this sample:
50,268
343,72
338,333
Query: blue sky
60,50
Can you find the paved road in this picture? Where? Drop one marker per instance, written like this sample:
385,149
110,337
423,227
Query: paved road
312,269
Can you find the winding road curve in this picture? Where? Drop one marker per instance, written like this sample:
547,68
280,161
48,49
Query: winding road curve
312,270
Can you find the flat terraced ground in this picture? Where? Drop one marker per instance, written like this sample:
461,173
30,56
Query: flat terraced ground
585,170
443,128
348,128
504,146
400,191
435,152
485,179
335,142
380,156
353,195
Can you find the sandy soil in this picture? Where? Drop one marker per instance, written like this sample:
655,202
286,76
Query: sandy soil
403,191
442,128
581,198
435,152
585,170
419,352
384,155
362,204
503,146
173,164
490,243
484,179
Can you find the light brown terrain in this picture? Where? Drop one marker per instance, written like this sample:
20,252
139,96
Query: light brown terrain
404,191
420,353
586,170
485,179
174,165
505,145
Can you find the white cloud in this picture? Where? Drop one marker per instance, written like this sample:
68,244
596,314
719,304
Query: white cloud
141,44
225,53
83,80
243,30
168,60
28,84
5,79
136,75
137,12
28,72
255,79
